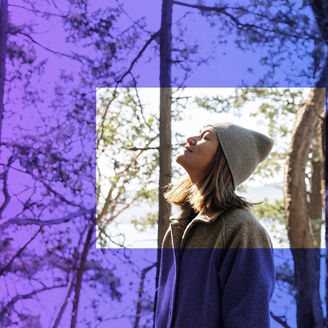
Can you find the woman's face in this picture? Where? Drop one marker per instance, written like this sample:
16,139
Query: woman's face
198,153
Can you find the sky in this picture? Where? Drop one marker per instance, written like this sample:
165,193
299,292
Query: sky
226,64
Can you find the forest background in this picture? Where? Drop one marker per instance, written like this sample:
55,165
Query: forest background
53,57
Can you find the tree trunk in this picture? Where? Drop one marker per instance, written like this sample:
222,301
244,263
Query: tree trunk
324,183
296,204
165,149
3,53
165,117
320,11
300,234
322,154
317,191
165,154
309,310
316,187
80,272
140,294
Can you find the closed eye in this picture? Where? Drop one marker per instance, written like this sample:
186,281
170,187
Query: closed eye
205,135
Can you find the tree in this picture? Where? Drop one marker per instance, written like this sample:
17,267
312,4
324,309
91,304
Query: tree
3,51
48,209
127,158
165,117
306,259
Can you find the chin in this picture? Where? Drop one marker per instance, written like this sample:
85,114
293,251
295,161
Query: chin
178,158
181,159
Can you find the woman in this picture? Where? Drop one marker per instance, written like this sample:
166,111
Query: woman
217,265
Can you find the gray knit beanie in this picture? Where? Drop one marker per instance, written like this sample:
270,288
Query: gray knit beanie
244,149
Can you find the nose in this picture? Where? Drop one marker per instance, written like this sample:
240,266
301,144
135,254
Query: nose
191,140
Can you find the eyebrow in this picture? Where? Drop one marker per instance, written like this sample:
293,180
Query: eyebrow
207,130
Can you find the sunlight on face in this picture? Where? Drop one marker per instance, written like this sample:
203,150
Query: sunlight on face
199,152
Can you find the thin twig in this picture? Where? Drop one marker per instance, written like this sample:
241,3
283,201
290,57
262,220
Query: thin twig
35,11
5,187
239,25
140,148
148,42
10,304
280,319
7,267
57,53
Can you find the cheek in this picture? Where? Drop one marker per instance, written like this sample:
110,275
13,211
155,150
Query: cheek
204,157
199,160
207,159
207,153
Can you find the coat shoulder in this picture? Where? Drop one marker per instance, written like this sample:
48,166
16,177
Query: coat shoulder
244,230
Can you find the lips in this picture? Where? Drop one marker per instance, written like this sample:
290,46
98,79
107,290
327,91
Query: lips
188,148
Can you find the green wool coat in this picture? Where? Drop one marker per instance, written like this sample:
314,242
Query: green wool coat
216,271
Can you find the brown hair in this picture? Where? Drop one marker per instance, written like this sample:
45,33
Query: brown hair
215,192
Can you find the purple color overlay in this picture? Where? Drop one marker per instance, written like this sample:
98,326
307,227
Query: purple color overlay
48,156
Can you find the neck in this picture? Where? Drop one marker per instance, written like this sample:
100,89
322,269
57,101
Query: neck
195,178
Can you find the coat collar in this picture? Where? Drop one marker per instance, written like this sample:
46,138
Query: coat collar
181,225
207,217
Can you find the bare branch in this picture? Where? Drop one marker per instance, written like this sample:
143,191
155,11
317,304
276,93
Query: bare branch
5,187
140,292
148,42
43,223
42,46
102,233
10,304
63,307
137,148
56,193
7,267
140,104
108,200
46,185
280,319
73,56
238,23
134,22
35,11
150,148
128,205
201,7
104,117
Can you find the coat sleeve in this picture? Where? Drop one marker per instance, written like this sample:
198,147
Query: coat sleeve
246,276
